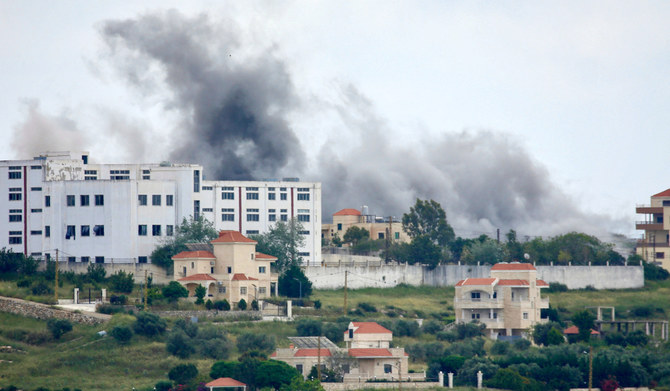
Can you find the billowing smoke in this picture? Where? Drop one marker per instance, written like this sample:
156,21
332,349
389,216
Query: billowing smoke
40,132
232,105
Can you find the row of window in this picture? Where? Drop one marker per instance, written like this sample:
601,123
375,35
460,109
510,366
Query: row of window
142,230
84,231
84,200
156,200
229,195
98,259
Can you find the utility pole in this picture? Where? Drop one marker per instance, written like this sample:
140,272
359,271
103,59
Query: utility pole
400,374
498,234
590,367
346,272
56,279
145,290
318,362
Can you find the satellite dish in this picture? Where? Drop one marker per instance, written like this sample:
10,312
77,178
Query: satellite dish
526,256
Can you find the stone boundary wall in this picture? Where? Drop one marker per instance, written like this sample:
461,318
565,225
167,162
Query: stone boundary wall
384,385
384,276
158,274
43,311
228,315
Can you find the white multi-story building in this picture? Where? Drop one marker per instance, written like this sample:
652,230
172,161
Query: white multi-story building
120,212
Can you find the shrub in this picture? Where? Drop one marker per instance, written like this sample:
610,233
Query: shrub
209,304
179,344
367,307
149,324
121,281
262,342
254,305
96,273
108,309
163,385
40,287
189,328
24,282
470,330
500,348
333,332
431,327
406,328
183,373
222,305
557,287
216,348
58,327
309,327
200,292
242,305
122,334
173,291
118,300
522,344
317,304
448,336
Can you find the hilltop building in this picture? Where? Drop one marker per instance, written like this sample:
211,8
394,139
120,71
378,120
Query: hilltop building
655,244
118,213
378,227
508,303
368,355
231,270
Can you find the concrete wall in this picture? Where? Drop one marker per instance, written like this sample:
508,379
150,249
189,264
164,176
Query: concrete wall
384,385
42,311
158,274
383,276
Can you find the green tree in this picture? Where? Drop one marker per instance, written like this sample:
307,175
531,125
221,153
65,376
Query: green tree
122,334
282,241
307,327
96,273
486,250
121,281
355,234
298,384
293,283
179,344
584,322
242,305
224,369
200,292
248,342
427,218
183,373
274,374
173,291
148,324
190,230
58,327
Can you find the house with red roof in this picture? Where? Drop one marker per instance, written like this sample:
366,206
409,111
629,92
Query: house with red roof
508,302
655,245
368,355
378,227
231,270
226,383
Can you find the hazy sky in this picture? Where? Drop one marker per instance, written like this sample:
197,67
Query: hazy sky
578,90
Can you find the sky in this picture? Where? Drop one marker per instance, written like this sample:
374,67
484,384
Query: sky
543,117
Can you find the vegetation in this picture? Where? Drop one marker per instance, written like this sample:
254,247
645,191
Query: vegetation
294,283
282,241
190,230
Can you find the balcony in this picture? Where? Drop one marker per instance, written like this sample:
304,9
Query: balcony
649,226
649,244
647,209
478,303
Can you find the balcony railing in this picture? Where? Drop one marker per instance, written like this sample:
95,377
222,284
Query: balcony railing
649,225
648,209
479,303
649,243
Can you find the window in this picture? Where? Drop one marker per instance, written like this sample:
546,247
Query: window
658,255
47,201
15,196
142,259
15,175
196,181
252,196
396,235
495,295
85,259
284,217
252,232
196,209
119,174
261,269
169,200
228,214
298,367
251,189
99,259
475,316
36,233
15,218
15,233
351,333
15,240
47,231
210,188
303,232
99,200
142,199
72,259
70,232
37,210
99,230
339,226
380,235
207,209
222,289
272,217
156,230
35,189
35,167
303,254
271,196
84,200
525,315
262,290
252,215
282,196
303,196
146,172
230,269
227,195
495,315
142,230
169,230
192,265
70,200
475,296
303,218
156,200
85,230
90,175
243,290
388,368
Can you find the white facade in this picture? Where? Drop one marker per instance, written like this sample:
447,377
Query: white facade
120,212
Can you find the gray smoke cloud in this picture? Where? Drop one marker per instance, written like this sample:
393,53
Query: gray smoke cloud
232,105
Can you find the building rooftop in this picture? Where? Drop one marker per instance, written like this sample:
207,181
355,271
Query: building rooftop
476,281
348,212
265,257
198,277
369,328
226,236
665,193
194,254
225,382
242,277
312,342
369,352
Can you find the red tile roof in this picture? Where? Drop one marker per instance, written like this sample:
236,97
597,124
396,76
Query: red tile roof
369,352
265,257
476,281
575,330
665,193
369,328
194,254
513,266
232,237
198,277
312,353
541,283
225,382
513,282
348,212
242,277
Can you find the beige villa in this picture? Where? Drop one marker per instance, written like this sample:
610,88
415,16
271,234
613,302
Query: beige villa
508,303
231,269
654,246
378,227
368,355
